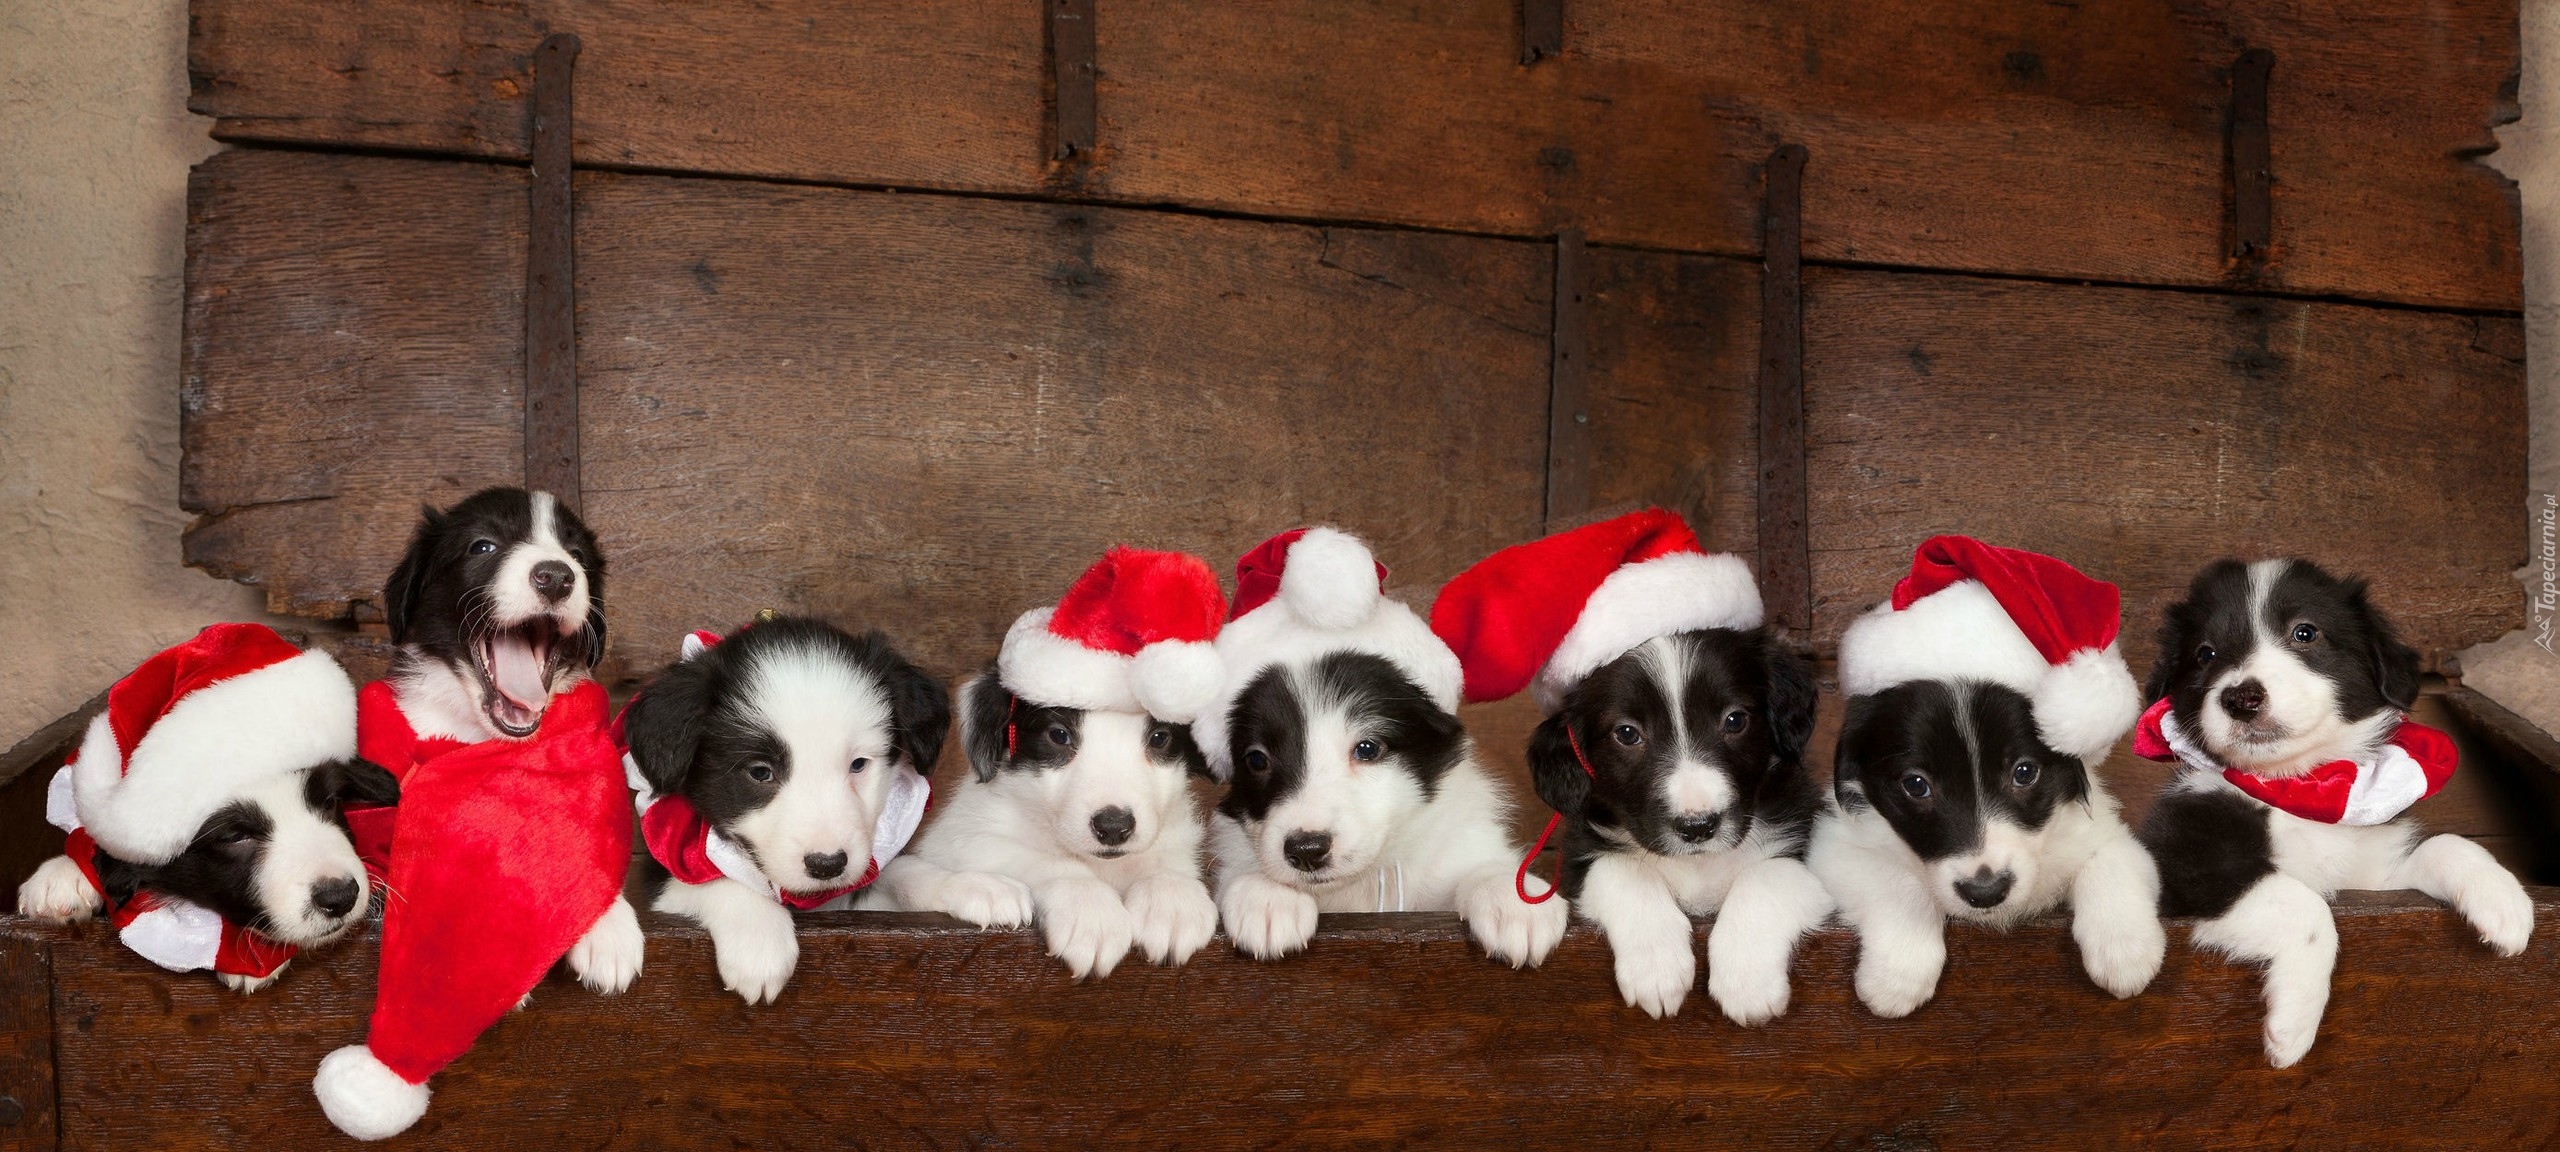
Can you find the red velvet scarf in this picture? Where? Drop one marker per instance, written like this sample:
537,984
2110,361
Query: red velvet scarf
2413,766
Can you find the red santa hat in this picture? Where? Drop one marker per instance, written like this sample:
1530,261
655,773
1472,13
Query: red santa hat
186,731
1545,614
1971,611
1305,593
1133,634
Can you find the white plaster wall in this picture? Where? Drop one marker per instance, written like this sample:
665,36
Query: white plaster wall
95,142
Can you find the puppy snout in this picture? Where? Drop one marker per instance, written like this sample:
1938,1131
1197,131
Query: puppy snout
335,896
551,580
1112,826
2245,700
1698,827
826,867
1985,888
1308,851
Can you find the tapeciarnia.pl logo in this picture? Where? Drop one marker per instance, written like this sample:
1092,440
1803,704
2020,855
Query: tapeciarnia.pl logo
2544,605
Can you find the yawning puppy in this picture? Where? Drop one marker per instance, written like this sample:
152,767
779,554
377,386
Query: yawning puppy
1079,811
783,766
1352,786
1978,700
498,607
2286,694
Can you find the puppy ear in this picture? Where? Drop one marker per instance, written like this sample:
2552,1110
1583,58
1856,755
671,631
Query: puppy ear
664,723
920,711
1848,789
1792,699
2395,665
985,709
335,785
409,579
2170,665
1194,761
1553,768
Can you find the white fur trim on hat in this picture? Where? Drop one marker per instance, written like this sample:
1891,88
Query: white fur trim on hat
1678,592
1175,679
1960,632
2085,704
288,716
364,1097
1329,579
1275,634
1038,664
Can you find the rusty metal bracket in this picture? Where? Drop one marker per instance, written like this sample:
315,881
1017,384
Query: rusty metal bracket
550,292
1568,409
1786,577
1071,49
2252,164
1541,30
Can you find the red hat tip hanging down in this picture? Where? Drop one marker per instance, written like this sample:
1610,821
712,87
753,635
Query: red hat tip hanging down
1133,634
1545,614
1972,611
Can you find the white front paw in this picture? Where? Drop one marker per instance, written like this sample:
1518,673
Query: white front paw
607,959
58,893
985,899
756,962
1655,974
1510,929
2500,911
1266,919
1893,983
1751,992
1087,927
250,985
1171,917
2121,953
2291,1027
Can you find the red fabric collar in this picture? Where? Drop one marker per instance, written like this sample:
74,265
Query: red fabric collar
2321,794
679,839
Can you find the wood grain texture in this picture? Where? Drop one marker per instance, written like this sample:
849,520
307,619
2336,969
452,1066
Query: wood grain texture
901,1032
2081,141
2140,435
27,1108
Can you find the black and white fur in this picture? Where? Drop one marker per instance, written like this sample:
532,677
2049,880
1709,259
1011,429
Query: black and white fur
1950,806
276,859
1697,802
1086,826
1355,792
500,597
784,738
2276,668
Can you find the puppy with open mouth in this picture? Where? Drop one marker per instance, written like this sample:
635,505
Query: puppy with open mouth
1672,750
1981,699
2285,694
1351,785
1078,812
497,608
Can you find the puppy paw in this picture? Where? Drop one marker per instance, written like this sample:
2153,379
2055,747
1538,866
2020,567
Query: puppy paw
1655,975
756,963
2289,1035
1087,927
1752,993
58,893
1510,929
986,899
2500,911
251,985
2121,954
1267,920
1895,988
1171,917
607,959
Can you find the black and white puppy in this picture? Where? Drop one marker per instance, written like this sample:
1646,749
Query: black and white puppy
497,607
275,859
795,744
1694,801
1079,818
2275,669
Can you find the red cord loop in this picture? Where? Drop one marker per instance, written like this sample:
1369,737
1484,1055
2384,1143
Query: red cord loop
1520,879
1011,701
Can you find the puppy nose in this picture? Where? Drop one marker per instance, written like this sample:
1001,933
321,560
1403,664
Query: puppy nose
1307,850
1113,825
826,867
2245,699
551,580
1985,890
1696,827
335,896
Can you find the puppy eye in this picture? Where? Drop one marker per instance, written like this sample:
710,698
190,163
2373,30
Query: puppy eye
483,547
1257,761
2023,774
229,836
1059,736
1367,751
1626,734
2305,633
760,772
1736,721
1915,785
2205,653
859,763
1160,739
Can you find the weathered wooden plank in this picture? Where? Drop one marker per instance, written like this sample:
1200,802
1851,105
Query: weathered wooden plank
899,1032
27,1110
2142,434
2082,141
